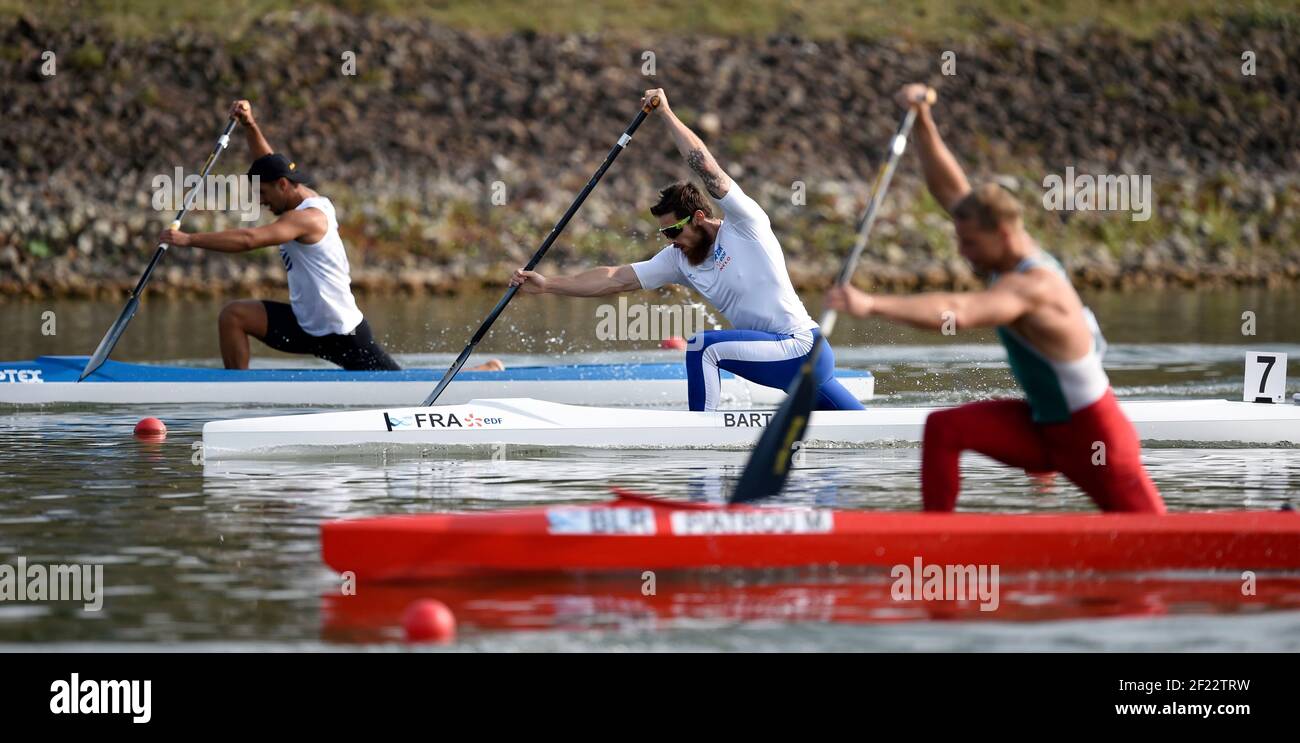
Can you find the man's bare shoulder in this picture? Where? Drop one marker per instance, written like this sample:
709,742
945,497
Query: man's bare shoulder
1034,283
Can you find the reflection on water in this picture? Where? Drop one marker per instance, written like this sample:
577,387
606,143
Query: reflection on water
723,601
229,554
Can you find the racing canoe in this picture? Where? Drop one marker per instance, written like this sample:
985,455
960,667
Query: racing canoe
53,380
527,422
635,533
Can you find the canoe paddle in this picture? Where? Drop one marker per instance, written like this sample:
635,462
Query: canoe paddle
115,331
769,465
649,106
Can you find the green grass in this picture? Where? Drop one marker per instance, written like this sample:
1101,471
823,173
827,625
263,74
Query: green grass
926,20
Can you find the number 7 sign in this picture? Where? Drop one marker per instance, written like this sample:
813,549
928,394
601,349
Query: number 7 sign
1265,377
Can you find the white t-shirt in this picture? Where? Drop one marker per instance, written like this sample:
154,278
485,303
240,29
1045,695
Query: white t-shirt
320,284
745,278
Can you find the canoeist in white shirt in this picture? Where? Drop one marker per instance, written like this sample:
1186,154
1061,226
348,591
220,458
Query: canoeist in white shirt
321,317
735,261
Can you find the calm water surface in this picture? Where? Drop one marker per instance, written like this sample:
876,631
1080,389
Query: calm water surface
228,556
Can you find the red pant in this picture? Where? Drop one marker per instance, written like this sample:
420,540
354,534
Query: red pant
1004,430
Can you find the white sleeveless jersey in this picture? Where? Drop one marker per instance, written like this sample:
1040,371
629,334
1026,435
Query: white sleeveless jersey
320,283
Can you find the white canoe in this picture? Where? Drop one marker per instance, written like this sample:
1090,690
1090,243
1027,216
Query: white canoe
536,423
53,380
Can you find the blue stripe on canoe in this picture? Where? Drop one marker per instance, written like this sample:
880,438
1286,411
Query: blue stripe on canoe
66,369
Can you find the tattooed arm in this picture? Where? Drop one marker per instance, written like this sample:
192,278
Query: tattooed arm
692,148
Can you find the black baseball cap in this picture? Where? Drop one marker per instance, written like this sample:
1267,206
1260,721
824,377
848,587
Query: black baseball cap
274,166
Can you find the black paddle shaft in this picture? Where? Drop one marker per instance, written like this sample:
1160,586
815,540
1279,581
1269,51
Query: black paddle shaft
541,251
118,327
883,177
769,465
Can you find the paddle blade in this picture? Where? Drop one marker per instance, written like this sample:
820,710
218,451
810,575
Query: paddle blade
110,338
769,465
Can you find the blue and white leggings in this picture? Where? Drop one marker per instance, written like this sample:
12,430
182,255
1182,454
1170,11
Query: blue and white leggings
769,359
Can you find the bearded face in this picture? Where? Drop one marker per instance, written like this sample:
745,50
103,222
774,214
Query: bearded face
693,241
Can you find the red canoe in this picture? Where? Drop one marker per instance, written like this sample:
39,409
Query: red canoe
636,533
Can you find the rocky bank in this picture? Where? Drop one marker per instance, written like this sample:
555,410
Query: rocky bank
414,146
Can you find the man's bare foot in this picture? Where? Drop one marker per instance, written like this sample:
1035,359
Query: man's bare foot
490,365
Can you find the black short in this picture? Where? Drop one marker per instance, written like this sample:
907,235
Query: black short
357,351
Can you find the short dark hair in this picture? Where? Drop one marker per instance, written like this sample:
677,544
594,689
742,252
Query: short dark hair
682,199
990,205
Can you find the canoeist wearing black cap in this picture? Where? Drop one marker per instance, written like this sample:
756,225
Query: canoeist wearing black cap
321,317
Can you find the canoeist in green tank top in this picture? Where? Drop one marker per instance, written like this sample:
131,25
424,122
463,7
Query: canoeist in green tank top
1054,389
1069,421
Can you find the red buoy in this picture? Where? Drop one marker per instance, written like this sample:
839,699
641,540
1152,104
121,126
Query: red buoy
429,620
676,343
150,428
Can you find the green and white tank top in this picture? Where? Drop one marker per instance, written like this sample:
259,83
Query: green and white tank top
1055,389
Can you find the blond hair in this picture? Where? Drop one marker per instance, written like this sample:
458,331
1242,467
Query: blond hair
990,205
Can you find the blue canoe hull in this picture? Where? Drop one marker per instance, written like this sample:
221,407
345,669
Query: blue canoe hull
53,380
